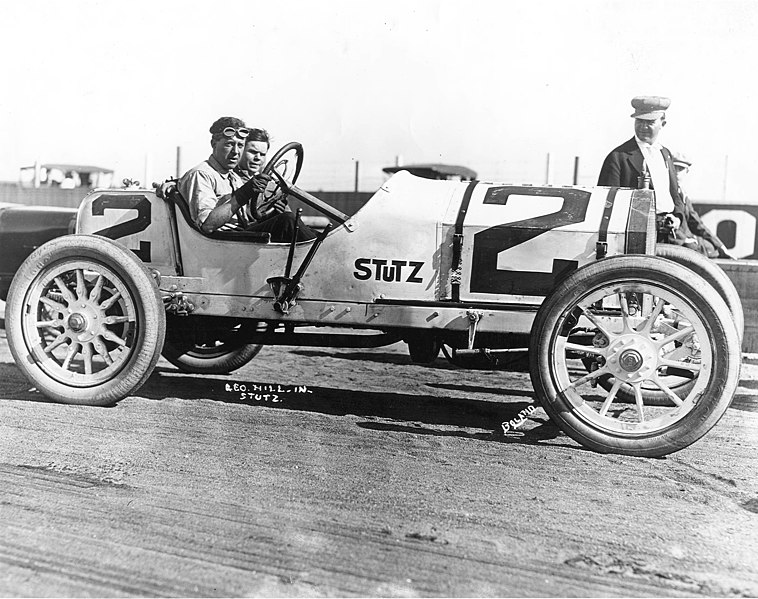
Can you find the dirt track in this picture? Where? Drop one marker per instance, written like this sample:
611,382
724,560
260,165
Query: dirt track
366,476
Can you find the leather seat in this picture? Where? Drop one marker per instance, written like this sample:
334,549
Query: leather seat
249,236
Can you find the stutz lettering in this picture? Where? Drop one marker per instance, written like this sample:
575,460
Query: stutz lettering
390,271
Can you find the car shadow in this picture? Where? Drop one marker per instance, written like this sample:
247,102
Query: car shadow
545,431
480,389
385,411
422,414
427,408
471,363
381,358
14,386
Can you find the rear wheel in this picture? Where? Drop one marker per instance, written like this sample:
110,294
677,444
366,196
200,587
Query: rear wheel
207,345
85,319
710,271
632,315
423,349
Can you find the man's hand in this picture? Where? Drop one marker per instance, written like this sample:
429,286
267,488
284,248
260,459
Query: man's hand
162,190
255,185
672,221
279,205
260,181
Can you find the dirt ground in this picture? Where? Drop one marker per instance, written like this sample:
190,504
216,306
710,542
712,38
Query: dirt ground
355,473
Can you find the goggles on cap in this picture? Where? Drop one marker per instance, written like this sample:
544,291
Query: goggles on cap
242,132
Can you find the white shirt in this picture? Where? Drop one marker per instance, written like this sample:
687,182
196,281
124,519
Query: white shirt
204,185
659,174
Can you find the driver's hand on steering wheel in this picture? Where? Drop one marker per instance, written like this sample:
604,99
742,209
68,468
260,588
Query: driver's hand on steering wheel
280,205
254,186
259,182
271,206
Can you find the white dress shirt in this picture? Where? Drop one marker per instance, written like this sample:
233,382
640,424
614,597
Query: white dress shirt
659,174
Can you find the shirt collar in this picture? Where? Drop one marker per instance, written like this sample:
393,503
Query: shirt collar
217,167
243,174
643,145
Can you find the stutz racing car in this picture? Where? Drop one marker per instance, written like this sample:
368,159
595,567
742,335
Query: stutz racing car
634,348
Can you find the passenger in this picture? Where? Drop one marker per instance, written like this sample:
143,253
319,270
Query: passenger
253,157
212,189
277,219
708,243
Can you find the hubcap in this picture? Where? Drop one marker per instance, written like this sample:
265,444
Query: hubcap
77,323
630,360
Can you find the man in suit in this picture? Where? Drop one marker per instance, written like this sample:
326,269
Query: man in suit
643,162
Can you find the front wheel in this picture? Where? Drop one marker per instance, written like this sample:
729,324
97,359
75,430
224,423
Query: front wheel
85,319
636,317
681,383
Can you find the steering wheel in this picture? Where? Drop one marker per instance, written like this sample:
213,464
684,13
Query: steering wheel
284,168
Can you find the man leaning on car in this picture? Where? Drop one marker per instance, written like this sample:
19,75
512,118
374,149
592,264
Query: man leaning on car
643,162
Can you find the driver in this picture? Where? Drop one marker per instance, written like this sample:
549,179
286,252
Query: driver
212,189
277,219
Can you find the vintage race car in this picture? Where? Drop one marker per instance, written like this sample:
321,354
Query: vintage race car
634,348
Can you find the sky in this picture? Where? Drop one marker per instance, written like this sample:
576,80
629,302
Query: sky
512,89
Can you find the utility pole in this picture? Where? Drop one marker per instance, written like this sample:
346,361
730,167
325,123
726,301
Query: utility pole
178,161
547,169
357,168
576,170
726,172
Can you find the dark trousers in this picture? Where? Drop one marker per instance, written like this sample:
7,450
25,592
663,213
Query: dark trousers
282,227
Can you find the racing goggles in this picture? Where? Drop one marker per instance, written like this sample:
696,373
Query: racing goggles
242,132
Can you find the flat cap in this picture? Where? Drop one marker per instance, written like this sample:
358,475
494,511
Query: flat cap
649,107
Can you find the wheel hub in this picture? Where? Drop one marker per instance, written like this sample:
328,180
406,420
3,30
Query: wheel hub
77,323
632,358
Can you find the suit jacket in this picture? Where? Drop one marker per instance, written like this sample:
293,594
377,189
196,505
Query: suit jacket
623,166
697,226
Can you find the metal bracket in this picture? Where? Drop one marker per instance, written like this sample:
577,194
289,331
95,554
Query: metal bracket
285,299
285,293
474,316
177,303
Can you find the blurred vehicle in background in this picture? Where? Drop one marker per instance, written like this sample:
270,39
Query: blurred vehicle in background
23,229
444,172
65,176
